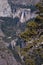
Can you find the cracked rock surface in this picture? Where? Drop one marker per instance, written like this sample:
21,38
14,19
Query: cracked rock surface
6,57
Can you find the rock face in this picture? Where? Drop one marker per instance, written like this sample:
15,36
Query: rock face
35,1
24,2
6,57
5,9
8,8
23,14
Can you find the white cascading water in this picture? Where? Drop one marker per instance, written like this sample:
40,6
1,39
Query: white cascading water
22,17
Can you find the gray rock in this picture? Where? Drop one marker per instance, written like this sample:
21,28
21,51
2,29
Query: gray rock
6,56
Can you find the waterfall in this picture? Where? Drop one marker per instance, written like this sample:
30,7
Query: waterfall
22,17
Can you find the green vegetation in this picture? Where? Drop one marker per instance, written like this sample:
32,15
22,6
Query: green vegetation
40,7
30,31
33,52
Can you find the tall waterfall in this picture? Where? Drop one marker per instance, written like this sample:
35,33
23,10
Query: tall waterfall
26,13
22,17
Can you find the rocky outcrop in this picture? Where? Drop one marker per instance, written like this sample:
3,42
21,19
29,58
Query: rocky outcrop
5,10
24,2
6,56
